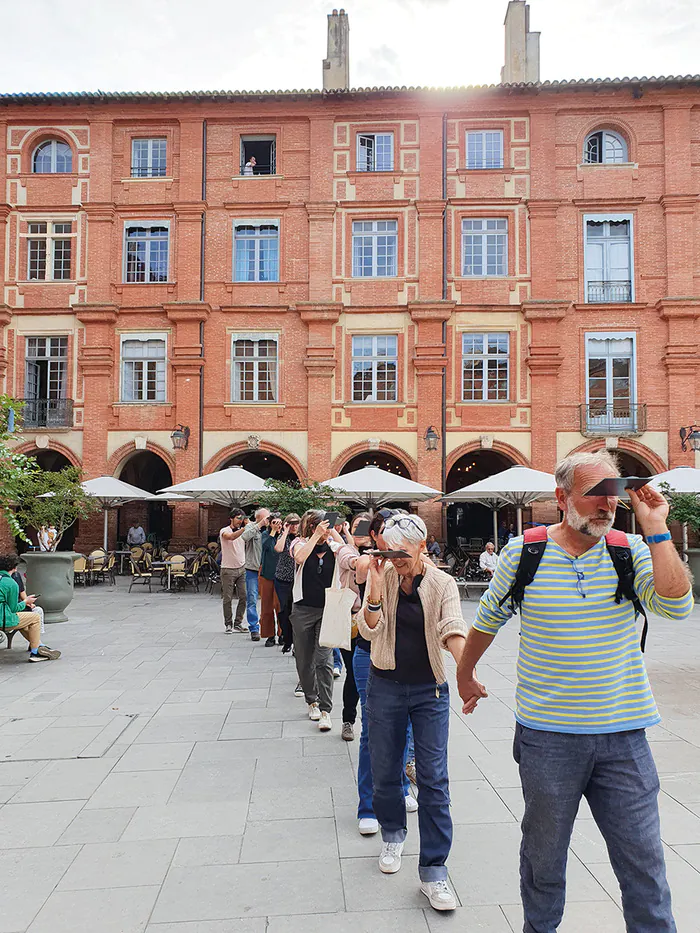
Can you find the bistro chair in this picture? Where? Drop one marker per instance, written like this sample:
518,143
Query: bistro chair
178,568
138,575
80,571
106,572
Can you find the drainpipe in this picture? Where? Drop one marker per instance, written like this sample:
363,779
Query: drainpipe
444,323
201,296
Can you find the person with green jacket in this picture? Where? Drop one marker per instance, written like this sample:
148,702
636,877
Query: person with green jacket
19,614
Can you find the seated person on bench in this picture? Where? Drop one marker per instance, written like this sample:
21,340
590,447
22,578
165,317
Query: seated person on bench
14,614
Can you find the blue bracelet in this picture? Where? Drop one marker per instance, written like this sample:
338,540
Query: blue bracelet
657,539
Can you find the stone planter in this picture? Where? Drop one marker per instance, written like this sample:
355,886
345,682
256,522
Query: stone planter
694,564
50,576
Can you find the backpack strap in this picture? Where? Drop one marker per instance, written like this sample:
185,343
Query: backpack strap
620,552
534,544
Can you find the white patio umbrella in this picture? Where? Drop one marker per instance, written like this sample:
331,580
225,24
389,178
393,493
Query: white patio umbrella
680,479
374,487
231,487
518,486
111,492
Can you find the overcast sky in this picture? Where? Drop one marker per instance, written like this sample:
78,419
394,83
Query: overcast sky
71,45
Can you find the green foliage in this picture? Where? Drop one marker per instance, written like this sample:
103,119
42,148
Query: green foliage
48,498
14,467
291,497
685,507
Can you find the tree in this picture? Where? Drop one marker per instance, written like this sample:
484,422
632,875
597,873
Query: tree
52,499
290,497
685,507
14,467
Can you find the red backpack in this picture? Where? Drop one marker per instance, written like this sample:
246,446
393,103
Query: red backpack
618,545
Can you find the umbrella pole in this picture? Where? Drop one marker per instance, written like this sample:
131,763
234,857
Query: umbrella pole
495,529
106,522
685,541
520,520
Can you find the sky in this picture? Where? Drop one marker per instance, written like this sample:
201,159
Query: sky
112,45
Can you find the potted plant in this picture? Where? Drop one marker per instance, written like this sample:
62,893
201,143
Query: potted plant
51,502
685,508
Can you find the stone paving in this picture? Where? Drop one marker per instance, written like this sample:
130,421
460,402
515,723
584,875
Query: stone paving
162,777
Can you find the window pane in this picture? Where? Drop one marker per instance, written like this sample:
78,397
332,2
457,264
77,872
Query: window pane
37,260
384,152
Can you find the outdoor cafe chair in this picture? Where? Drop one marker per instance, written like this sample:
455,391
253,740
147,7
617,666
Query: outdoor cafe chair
138,575
136,552
106,572
80,570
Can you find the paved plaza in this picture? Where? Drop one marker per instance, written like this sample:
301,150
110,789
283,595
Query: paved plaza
163,777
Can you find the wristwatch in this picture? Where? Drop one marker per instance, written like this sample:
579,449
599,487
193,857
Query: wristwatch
657,539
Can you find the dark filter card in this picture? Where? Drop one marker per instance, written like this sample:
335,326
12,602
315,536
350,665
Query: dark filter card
616,485
362,528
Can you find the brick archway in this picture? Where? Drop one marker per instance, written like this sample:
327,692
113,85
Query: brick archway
384,447
29,448
117,461
241,447
513,454
649,458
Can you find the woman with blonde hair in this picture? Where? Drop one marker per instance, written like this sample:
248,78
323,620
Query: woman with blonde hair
411,613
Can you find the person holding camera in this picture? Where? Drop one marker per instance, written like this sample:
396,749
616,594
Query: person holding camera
284,578
312,553
252,536
269,604
233,570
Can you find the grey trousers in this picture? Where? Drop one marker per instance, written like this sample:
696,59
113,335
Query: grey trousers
233,584
314,663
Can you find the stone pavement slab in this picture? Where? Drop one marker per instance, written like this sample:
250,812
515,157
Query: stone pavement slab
209,803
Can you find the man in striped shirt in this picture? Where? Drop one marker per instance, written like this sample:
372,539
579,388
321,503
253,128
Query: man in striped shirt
583,698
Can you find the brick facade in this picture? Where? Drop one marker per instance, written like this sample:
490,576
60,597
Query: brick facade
544,190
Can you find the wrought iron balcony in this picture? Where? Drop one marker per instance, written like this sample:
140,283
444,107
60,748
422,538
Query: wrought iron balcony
609,292
612,419
47,413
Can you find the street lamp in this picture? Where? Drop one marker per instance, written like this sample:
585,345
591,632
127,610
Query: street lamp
432,437
690,437
180,437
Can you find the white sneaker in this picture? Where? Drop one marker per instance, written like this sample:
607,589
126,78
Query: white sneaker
314,712
439,895
336,672
325,723
368,826
390,857
411,803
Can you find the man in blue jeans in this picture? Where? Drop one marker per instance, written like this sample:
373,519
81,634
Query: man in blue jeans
583,699
252,535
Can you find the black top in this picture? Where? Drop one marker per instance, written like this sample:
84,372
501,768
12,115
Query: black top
317,576
361,642
17,577
411,651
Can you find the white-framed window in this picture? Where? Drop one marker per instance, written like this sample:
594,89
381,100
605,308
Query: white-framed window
146,249
485,367
608,258
53,157
485,246
256,251
375,152
484,149
258,155
46,368
143,367
374,248
49,248
254,359
148,158
604,146
610,382
375,364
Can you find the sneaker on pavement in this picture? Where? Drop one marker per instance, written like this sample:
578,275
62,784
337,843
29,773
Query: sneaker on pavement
390,857
368,826
411,803
347,733
336,672
439,895
229,629
255,636
44,653
238,627
325,724
411,770
270,642
314,712
299,690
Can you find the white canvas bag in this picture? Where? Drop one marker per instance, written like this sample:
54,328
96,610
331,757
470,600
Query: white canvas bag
336,624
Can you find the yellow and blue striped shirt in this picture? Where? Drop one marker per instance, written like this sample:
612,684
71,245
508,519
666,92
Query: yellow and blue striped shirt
580,668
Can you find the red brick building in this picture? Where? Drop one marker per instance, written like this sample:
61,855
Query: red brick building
516,266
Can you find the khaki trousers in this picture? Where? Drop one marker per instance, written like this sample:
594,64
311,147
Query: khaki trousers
30,626
233,584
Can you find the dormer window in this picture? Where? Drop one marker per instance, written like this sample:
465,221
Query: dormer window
604,147
52,157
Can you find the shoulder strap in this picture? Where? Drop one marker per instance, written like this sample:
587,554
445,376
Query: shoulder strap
534,544
620,552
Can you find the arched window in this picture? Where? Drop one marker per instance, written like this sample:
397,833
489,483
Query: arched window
52,157
604,146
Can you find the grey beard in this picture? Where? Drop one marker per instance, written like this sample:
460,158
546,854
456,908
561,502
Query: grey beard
585,525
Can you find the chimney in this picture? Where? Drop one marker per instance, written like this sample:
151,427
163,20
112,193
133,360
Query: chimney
336,68
522,46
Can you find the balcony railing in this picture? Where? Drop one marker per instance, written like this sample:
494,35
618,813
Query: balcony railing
613,419
604,292
47,412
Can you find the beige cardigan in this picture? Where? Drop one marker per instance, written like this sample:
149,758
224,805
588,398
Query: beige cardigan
442,611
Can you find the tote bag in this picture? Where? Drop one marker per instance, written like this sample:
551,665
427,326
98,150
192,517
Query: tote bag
337,615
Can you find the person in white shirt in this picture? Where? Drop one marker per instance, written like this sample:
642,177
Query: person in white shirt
488,560
249,168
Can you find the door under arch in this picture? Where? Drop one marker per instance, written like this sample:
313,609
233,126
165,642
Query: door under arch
470,525
148,471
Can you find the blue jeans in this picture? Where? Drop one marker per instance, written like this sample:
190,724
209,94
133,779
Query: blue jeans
616,774
389,708
337,658
251,587
365,789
